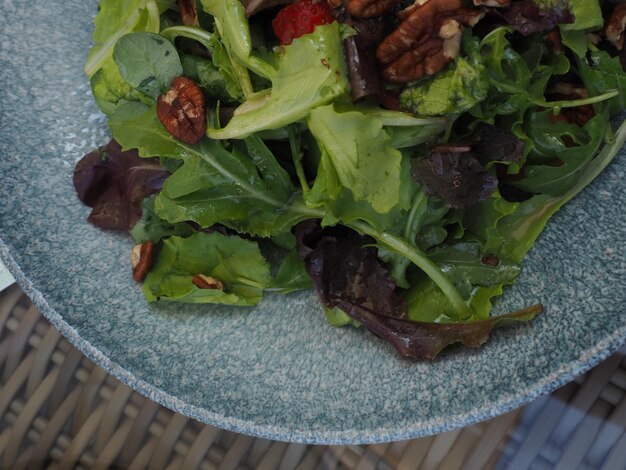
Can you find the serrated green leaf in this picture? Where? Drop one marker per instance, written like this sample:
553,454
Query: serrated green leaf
243,188
235,262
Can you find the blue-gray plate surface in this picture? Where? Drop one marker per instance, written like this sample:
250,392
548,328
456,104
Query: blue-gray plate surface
277,370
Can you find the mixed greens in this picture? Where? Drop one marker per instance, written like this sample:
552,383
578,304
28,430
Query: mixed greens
408,206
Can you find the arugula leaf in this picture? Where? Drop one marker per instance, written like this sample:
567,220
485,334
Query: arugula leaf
310,73
245,189
421,223
232,76
206,75
148,62
520,229
237,263
117,18
602,73
465,266
233,28
557,179
152,228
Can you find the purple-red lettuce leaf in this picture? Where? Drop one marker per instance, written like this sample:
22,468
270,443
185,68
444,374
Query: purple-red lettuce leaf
527,17
345,268
455,175
348,275
115,183
497,145
421,340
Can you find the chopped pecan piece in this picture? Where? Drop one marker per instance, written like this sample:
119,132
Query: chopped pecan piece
181,111
553,41
426,41
188,12
615,26
202,281
370,8
141,260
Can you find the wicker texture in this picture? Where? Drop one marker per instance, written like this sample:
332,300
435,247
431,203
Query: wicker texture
60,411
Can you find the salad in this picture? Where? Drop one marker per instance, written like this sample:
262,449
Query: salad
400,157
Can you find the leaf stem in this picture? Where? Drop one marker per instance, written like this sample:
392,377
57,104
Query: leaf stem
297,159
205,38
411,228
574,103
418,258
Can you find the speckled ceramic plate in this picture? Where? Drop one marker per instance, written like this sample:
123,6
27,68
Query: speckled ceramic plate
278,370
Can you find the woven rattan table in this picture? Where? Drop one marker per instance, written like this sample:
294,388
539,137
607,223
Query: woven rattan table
61,411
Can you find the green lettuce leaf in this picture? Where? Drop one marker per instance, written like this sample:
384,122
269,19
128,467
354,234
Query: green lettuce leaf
109,89
587,15
310,73
453,91
237,263
117,18
291,275
361,155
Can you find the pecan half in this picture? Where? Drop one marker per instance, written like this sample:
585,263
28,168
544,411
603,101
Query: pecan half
202,281
426,41
182,111
615,26
370,8
141,257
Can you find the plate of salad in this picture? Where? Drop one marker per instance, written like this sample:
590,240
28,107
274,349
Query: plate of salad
323,221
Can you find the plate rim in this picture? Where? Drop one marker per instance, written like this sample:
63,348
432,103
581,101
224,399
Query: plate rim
586,360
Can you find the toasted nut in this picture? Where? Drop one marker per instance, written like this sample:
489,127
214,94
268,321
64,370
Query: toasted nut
182,111
615,26
491,260
202,281
370,8
428,39
554,43
141,257
419,26
188,12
